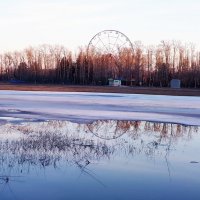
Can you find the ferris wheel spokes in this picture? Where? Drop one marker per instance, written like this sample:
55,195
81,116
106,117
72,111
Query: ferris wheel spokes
109,42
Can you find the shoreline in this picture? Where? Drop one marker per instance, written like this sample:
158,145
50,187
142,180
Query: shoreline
101,89
18,121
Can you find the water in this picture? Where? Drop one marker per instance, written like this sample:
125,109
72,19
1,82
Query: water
59,160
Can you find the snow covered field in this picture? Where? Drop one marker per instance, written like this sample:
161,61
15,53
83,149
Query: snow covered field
84,107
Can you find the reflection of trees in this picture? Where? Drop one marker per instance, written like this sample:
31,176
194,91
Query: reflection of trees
110,129
56,143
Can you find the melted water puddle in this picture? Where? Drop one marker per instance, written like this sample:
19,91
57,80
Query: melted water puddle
101,160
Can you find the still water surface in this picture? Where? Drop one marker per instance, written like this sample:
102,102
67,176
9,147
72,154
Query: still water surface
114,160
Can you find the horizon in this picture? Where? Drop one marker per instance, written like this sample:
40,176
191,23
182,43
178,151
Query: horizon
33,23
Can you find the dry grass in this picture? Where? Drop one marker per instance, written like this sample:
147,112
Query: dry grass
101,89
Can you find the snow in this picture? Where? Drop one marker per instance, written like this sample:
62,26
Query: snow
84,107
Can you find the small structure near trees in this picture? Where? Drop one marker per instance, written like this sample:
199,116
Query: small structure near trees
114,82
175,83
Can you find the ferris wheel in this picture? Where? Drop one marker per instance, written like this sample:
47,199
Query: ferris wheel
109,42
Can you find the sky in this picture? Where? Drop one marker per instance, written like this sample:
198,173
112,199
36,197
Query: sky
73,23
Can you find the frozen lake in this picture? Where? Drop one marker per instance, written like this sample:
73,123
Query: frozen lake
88,146
86,107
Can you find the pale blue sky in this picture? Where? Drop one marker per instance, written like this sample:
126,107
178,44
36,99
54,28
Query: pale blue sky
73,22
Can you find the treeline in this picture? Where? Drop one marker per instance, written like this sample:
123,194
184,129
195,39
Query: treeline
146,66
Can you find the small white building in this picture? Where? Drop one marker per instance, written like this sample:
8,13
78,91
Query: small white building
114,82
175,83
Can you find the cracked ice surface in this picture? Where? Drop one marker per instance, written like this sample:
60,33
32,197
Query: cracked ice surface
16,106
